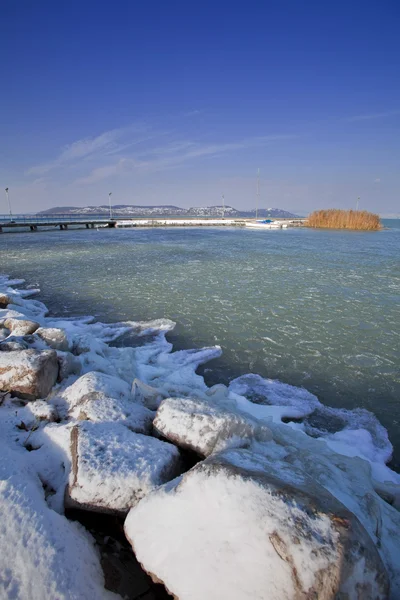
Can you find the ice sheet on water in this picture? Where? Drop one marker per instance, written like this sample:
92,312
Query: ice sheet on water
274,393
354,432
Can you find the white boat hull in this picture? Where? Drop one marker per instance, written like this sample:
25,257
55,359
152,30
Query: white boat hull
264,225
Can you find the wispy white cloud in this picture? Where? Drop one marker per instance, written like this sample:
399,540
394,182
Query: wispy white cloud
118,168
369,117
173,155
108,142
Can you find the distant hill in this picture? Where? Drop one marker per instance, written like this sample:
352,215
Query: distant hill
128,210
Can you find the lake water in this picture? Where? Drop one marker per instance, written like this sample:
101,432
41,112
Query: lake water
313,308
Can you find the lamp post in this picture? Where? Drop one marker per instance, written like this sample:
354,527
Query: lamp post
109,202
258,192
358,200
8,201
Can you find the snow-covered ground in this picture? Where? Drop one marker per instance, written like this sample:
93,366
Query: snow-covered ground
91,442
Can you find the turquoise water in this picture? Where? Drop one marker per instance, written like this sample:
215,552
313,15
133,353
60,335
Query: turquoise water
313,308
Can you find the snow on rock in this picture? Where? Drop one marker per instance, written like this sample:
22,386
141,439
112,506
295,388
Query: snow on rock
206,428
28,374
113,468
351,480
42,555
51,460
233,528
54,337
102,409
5,300
36,411
95,383
20,326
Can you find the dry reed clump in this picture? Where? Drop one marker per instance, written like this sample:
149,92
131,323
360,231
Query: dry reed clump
344,219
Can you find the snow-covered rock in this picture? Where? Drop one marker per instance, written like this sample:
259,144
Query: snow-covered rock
43,556
134,416
5,300
28,374
204,427
351,480
20,326
104,386
113,468
55,338
37,411
233,528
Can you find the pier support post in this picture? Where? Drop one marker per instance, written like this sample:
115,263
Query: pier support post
1,230
92,225
87,225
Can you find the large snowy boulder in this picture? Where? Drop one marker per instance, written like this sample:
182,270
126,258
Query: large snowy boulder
20,326
54,338
43,556
100,410
234,528
113,468
28,374
203,427
96,384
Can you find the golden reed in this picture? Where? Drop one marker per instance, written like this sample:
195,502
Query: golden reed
344,219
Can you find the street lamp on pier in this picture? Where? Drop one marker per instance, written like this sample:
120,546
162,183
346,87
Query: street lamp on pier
8,201
109,202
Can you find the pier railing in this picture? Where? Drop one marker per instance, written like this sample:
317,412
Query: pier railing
56,218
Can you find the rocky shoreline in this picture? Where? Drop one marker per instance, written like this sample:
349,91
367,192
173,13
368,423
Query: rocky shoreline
218,497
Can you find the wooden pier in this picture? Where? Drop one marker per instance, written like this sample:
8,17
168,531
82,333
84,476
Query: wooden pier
64,222
33,223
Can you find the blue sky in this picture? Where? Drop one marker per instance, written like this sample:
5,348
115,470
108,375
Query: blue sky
174,103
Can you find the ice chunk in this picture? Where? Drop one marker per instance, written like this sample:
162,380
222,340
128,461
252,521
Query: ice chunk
146,395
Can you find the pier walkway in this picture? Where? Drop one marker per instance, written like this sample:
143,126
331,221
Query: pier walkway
62,222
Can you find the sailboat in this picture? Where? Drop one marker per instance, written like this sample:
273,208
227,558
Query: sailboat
263,223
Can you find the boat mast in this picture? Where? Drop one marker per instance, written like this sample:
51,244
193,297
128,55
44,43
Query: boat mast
258,191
